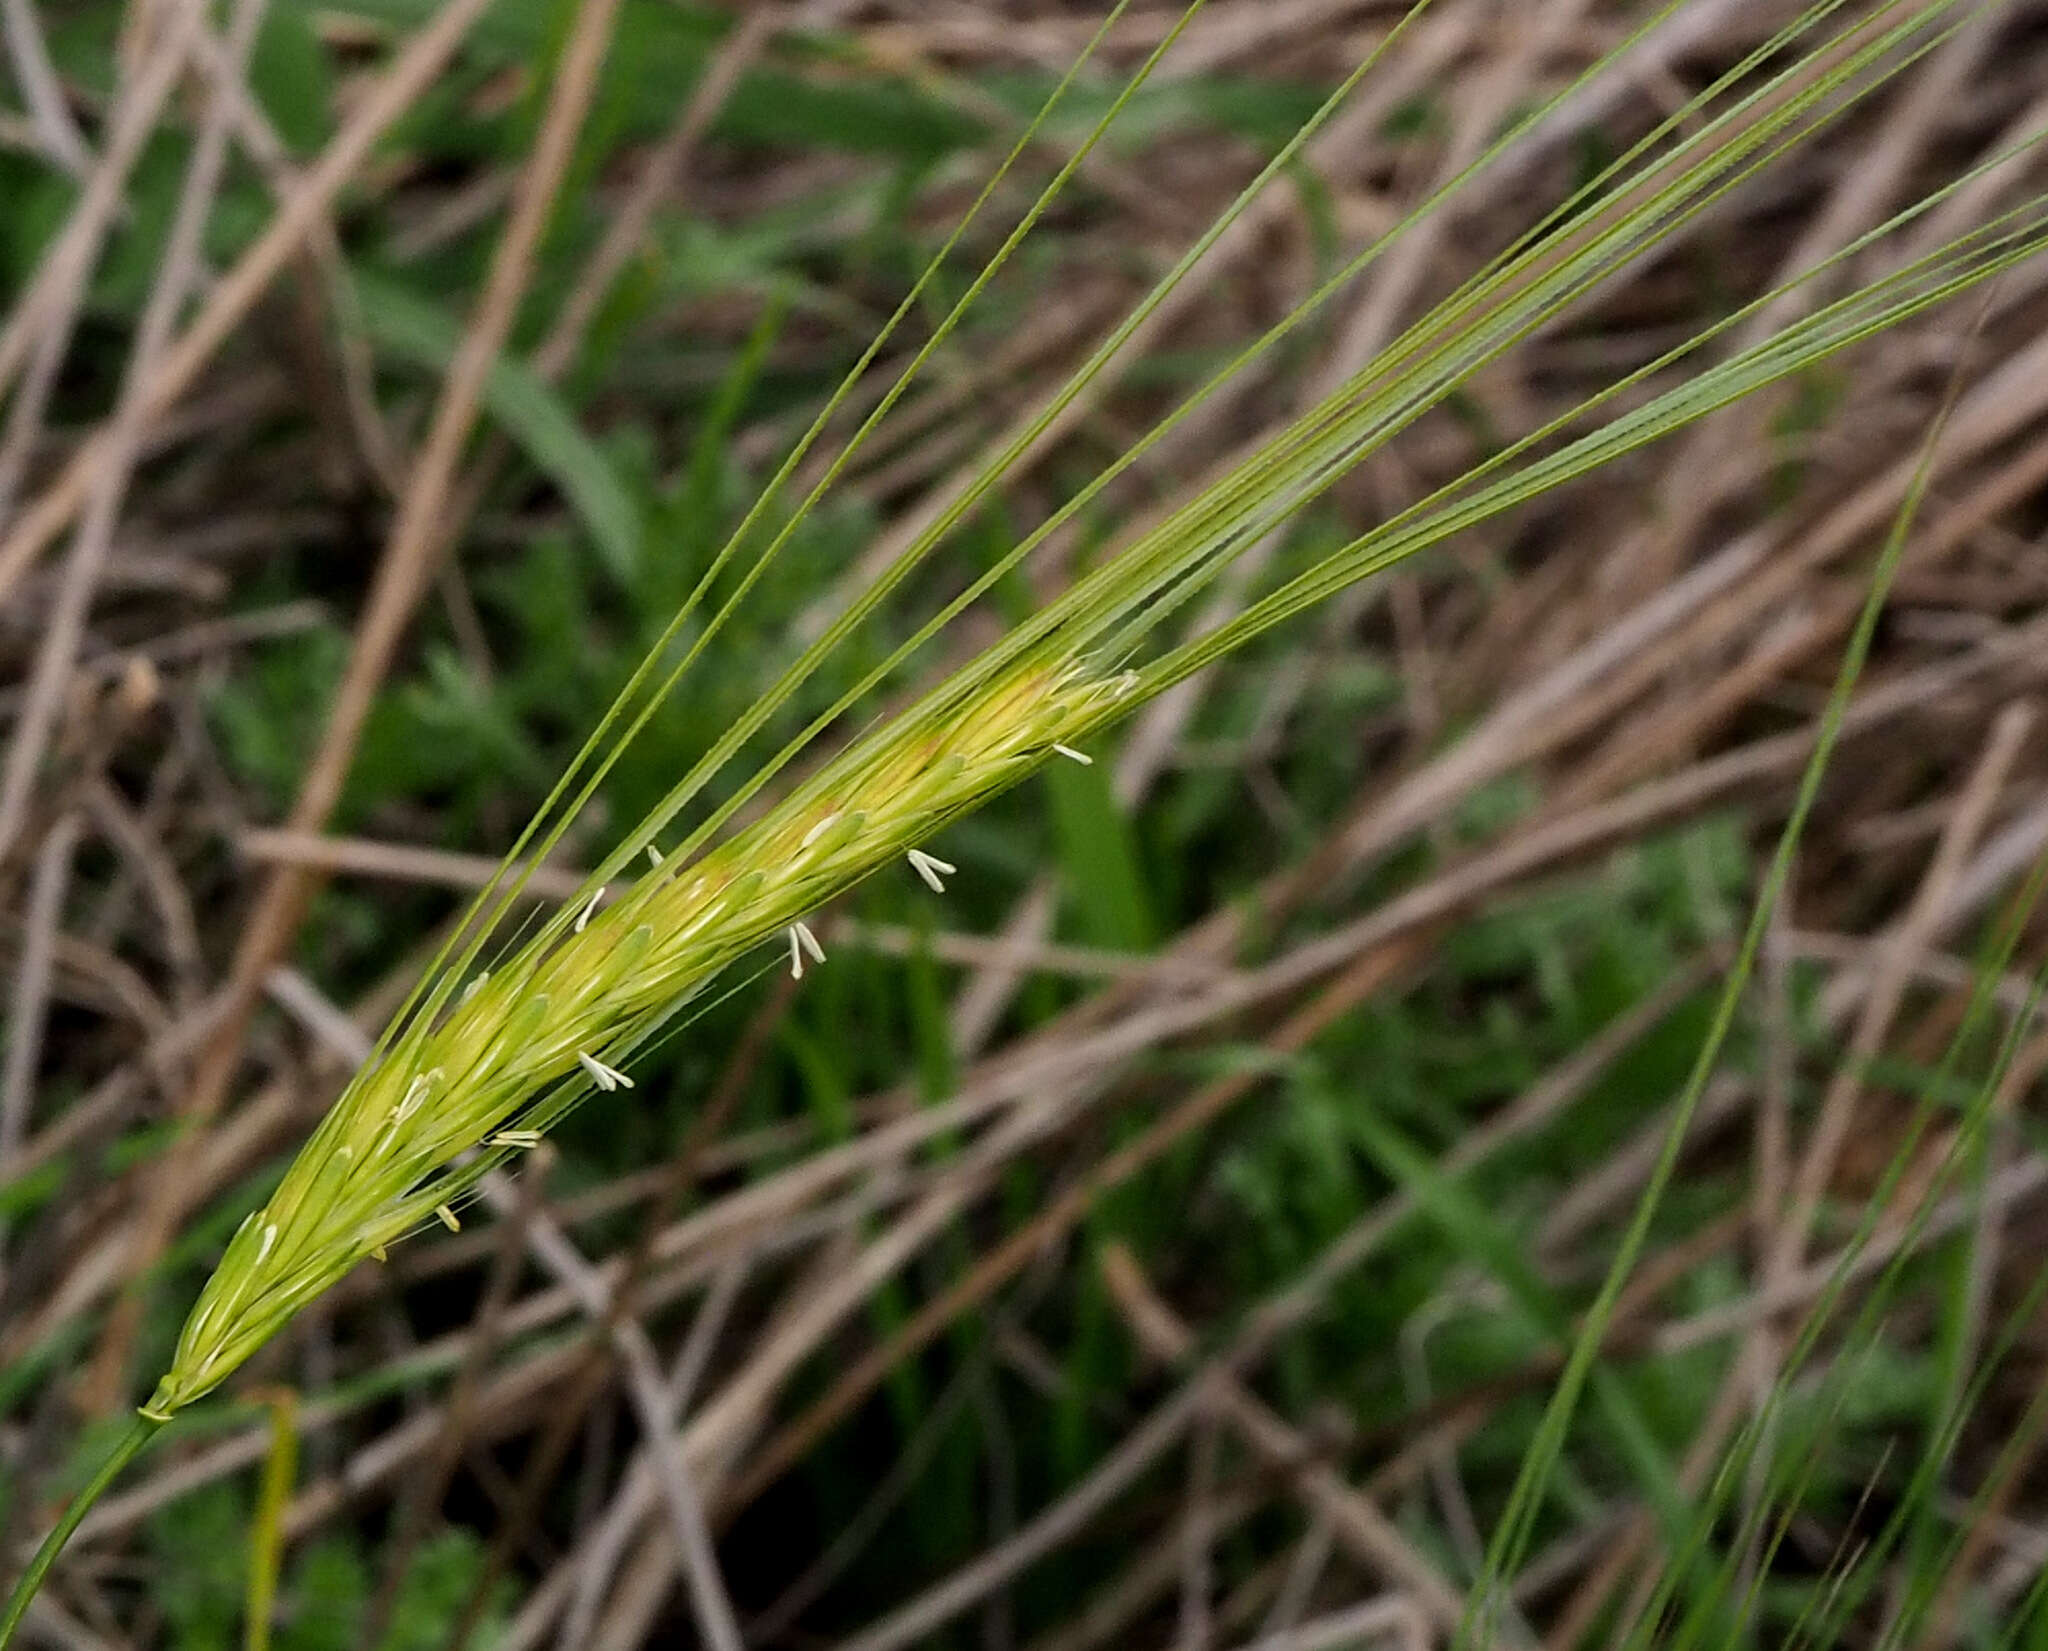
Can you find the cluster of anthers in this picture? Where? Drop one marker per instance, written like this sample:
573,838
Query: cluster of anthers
803,940
516,1048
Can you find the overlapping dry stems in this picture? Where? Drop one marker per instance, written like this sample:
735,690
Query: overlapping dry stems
1681,673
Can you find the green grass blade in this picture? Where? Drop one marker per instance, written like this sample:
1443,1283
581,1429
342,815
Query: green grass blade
526,408
1512,1534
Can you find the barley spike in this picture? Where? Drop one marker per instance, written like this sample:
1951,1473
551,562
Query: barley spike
484,1071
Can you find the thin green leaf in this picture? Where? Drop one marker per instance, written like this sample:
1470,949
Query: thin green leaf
526,409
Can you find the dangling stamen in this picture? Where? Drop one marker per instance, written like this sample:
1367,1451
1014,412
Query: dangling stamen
589,906
448,1218
1072,755
605,1077
802,941
515,1138
653,855
929,866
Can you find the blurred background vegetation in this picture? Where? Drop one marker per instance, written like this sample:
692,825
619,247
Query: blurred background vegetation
1530,780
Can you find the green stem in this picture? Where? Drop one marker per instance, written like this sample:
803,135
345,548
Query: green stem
266,1541
126,1451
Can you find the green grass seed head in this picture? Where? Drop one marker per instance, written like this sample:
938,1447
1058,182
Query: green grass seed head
468,1084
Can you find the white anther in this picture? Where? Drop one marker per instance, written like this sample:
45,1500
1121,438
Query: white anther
1072,755
589,907
605,1077
817,831
475,986
448,1218
416,1092
929,866
653,855
269,1238
515,1138
802,941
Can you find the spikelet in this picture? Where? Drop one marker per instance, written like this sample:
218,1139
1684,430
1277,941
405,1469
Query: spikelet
518,1047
